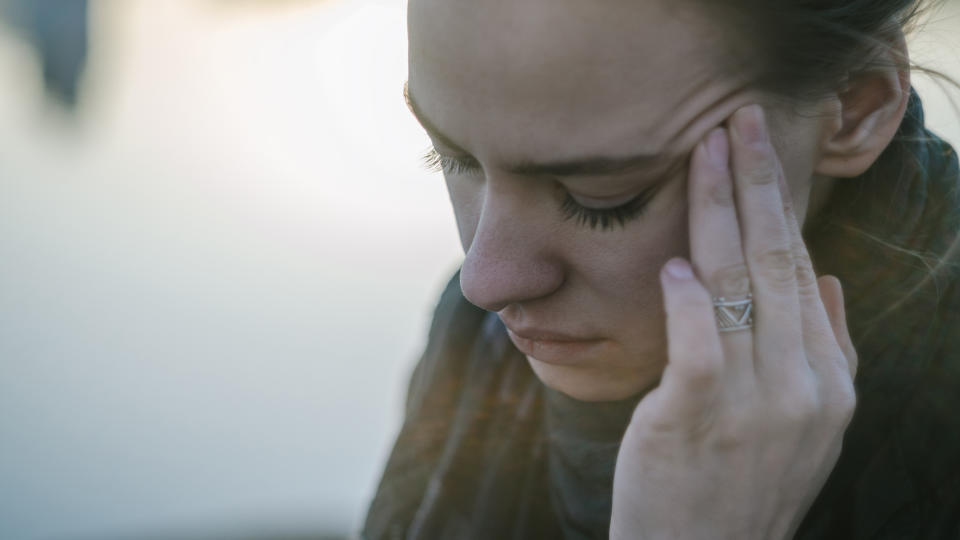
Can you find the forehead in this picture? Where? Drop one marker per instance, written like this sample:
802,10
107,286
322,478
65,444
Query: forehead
542,77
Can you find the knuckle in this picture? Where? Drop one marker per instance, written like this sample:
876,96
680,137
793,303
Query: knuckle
779,259
777,265
730,280
758,176
846,396
847,406
806,276
841,409
721,194
853,361
850,407
787,203
762,168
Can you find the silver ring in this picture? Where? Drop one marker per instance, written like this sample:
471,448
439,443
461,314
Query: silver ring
733,315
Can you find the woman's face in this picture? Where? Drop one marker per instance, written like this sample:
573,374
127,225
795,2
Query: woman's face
556,110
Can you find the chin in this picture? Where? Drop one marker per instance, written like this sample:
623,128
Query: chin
593,382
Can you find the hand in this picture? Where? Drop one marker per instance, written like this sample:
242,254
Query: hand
745,426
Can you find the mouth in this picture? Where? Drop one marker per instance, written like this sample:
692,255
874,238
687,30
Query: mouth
554,348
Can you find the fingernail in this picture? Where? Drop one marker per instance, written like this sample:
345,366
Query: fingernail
752,125
718,148
678,268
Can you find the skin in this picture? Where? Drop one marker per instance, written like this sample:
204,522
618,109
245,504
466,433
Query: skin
745,426
734,417
551,80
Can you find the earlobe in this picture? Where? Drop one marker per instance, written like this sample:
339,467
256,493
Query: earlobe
863,119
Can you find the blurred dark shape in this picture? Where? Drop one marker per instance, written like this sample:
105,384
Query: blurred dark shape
58,30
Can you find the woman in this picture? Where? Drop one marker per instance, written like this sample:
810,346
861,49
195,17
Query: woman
582,379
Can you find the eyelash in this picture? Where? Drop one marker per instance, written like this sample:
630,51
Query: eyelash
605,218
433,161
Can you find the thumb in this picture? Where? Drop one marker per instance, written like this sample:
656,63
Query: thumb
695,365
831,292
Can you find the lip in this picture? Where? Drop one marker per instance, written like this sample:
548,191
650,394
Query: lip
553,347
536,334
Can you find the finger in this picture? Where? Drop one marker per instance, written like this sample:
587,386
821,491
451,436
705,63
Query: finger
766,245
838,392
715,246
820,337
832,293
691,380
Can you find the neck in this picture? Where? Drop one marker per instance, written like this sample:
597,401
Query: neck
820,191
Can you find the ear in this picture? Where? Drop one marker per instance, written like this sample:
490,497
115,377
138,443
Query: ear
865,116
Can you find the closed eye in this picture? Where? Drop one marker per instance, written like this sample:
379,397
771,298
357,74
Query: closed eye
602,218
433,161
607,218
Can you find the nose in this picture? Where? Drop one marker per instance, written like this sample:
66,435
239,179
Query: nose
511,258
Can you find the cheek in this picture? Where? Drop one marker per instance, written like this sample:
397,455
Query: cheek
624,265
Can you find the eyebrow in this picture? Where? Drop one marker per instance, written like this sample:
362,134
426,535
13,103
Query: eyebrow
585,166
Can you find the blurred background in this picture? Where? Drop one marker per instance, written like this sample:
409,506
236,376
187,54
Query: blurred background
218,261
